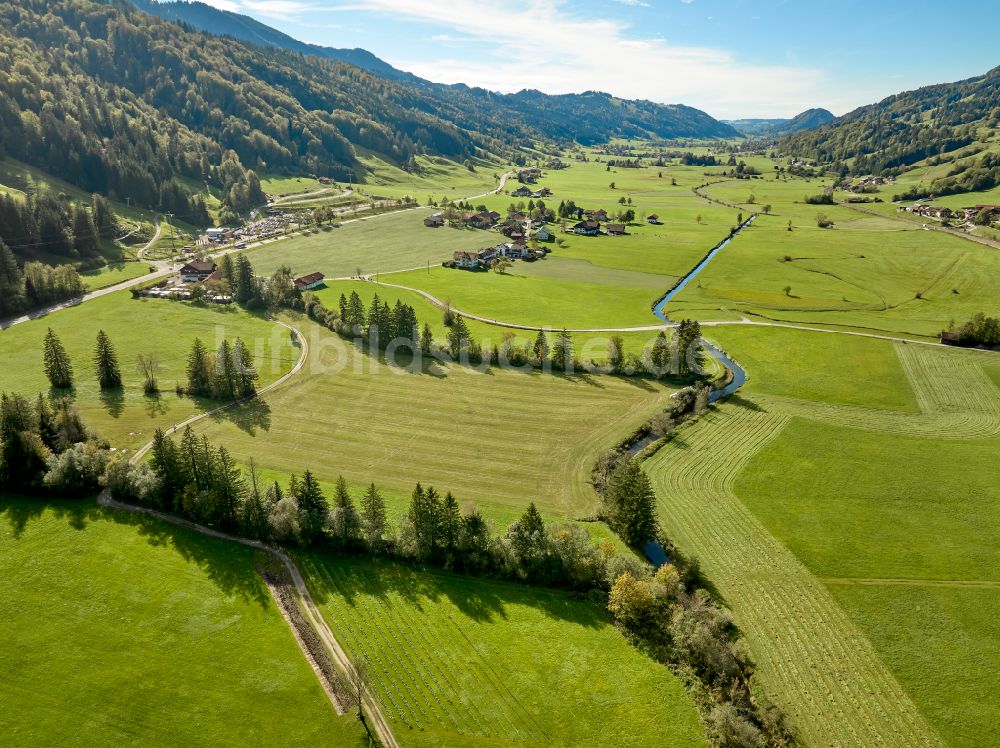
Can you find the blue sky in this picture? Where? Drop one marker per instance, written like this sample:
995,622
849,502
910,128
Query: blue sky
732,58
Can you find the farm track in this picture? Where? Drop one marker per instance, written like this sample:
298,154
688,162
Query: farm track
831,679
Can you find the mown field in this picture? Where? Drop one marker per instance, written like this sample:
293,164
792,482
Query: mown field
496,437
806,503
457,661
125,630
165,329
867,272
112,274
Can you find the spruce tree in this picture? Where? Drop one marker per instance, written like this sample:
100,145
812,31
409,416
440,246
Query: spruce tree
313,508
229,489
84,234
228,272
630,504
109,376
458,337
11,282
22,452
224,376
562,351
199,370
355,317
659,356
540,348
373,518
58,368
449,525
344,521
426,339
343,306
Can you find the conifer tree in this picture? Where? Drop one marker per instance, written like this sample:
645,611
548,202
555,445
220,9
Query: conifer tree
659,356
11,282
426,339
58,368
528,542
84,234
345,523
256,508
229,489
343,306
199,370
22,452
227,269
224,376
630,503
373,518
313,508
109,376
458,337
562,351
245,375
449,525
540,348
355,317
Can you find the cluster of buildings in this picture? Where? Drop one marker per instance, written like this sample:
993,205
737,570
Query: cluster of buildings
941,213
483,258
525,191
262,228
202,278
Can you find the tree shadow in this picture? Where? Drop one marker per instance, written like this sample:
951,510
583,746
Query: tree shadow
113,401
248,417
742,402
232,572
482,599
19,511
154,405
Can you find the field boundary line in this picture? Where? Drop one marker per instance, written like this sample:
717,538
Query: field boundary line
894,582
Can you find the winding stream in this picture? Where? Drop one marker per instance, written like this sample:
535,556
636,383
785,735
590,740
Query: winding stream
739,375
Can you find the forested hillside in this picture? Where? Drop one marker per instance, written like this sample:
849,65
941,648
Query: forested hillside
590,117
121,103
908,127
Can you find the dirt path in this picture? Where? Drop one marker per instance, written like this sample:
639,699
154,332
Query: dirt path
312,613
337,653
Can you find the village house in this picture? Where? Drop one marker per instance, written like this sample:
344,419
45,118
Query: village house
434,221
975,210
529,175
515,250
481,220
218,235
197,271
615,229
599,215
543,234
309,282
522,191
541,192
653,219
590,227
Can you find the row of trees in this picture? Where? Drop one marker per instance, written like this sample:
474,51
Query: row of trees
980,330
679,356
34,285
45,446
228,374
107,371
197,480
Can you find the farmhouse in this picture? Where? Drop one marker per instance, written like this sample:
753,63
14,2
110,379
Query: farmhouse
589,227
434,221
197,270
481,220
653,219
543,234
541,192
598,215
309,282
616,229
522,191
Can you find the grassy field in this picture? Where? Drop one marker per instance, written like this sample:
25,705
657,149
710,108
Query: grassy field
496,437
112,274
437,178
816,366
459,661
806,503
163,328
125,630
395,241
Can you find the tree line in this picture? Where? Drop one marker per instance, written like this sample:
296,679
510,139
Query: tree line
979,330
381,326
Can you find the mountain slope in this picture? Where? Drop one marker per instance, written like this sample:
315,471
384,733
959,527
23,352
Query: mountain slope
807,120
589,117
907,127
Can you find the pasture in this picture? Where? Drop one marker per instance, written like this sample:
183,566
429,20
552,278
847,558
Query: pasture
112,274
126,630
458,661
493,436
806,503
165,329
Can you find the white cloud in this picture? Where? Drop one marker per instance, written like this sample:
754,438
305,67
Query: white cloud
634,3
540,45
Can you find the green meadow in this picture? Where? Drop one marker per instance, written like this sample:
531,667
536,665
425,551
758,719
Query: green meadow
489,435
158,327
112,274
858,506
457,661
119,629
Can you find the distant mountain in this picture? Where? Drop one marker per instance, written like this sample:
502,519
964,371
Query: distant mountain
907,127
589,117
807,120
